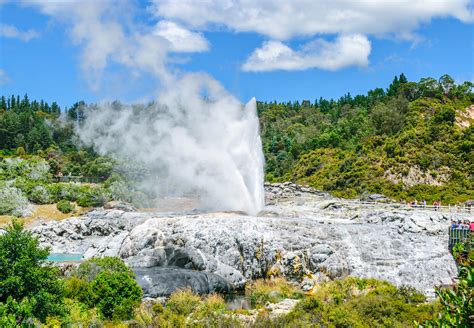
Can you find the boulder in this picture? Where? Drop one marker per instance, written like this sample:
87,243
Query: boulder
163,281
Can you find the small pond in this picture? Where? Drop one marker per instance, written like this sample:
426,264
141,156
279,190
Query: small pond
63,257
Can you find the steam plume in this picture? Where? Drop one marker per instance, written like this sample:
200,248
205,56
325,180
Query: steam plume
195,139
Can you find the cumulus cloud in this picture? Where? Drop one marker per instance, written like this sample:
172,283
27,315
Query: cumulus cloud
181,39
282,19
10,31
346,50
107,33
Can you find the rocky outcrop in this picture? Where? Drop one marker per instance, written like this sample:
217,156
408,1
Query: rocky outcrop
414,175
162,281
299,234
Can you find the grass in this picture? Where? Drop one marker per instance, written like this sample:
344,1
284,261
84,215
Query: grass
273,290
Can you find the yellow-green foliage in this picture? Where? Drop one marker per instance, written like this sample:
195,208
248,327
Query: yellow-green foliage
355,302
271,290
183,302
186,309
352,145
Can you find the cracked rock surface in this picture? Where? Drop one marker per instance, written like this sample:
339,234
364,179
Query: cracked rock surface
300,231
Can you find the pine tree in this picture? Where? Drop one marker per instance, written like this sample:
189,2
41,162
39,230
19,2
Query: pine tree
13,103
402,79
3,103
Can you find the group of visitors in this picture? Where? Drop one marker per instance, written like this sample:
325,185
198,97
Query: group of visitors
421,204
466,224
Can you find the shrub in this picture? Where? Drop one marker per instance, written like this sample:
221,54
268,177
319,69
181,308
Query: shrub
90,268
13,312
107,284
78,289
64,206
12,201
457,304
354,302
39,171
40,195
273,291
183,302
93,198
115,294
27,281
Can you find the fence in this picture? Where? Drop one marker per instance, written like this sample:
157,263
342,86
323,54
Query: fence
438,208
459,235
69,178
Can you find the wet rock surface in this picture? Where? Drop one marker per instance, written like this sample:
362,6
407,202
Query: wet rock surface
300,232
162,281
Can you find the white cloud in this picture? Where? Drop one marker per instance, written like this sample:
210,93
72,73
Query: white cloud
10,31
4,78
346,50
107,34
181,39
283,19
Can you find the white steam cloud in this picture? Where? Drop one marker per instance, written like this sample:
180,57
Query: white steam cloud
196,138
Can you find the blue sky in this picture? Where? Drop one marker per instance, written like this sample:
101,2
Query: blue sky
64,54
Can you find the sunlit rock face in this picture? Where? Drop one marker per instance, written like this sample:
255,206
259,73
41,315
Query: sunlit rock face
300,231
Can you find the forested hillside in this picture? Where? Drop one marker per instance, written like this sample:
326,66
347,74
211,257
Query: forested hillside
410,140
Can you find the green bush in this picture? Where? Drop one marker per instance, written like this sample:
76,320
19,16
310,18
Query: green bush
106,284
183,302
12,201
355,302
64,206
93,197
28,283
39,195
457,304
115,294
274,290
90,268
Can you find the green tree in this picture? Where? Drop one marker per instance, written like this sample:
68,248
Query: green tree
26,276
110,285
115,294
458,303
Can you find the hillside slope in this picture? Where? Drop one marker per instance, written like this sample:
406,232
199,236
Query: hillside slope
411,141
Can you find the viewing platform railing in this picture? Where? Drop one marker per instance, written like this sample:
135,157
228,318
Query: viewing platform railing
70,178
438,208
459,235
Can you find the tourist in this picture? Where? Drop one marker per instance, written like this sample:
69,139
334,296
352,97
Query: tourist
453,224
471,226
424,203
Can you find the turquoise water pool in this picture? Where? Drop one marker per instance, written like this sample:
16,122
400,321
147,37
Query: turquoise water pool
61,257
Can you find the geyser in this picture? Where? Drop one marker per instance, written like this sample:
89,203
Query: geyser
195,140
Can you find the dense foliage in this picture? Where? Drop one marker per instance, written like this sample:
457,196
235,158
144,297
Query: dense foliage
29,286
411,140
355,302
106,284
64,206
404,141
457,304
104,289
